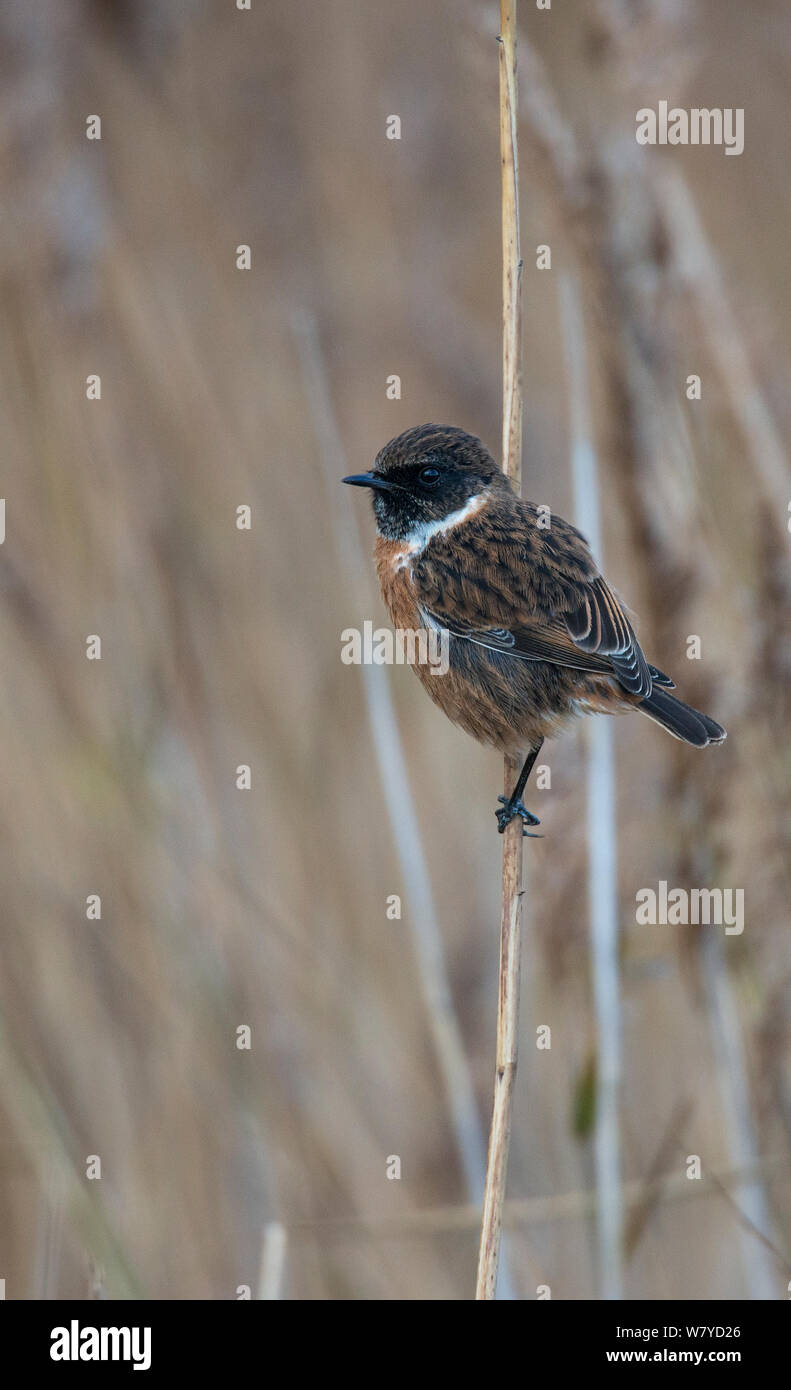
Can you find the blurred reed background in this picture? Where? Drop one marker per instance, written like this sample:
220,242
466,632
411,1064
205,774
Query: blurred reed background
221,647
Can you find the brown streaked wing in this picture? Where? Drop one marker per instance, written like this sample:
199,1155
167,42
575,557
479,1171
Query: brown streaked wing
531,643
536,607
598,624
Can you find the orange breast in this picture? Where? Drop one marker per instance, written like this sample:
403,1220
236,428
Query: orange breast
392,567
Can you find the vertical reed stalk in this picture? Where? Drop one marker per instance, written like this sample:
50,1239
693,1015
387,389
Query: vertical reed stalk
511,913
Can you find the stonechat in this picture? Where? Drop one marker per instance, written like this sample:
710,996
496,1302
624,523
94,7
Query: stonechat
536,634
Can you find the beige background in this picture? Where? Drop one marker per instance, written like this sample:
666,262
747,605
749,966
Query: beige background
221,647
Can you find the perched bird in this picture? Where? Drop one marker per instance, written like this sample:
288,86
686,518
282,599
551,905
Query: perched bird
536,634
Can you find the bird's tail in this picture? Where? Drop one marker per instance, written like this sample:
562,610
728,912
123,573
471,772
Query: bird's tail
680,720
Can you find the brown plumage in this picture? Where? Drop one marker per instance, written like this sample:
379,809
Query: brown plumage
537,635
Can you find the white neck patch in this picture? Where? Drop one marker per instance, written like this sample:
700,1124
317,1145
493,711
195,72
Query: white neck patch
418,539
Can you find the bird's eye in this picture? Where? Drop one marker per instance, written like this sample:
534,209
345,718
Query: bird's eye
429,476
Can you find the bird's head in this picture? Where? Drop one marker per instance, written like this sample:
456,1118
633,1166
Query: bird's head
424,476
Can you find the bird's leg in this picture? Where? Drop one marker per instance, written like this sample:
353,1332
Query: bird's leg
512,805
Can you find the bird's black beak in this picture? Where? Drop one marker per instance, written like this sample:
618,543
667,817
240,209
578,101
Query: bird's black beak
374,480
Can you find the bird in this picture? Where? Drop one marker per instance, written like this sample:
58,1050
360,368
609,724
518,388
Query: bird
536,634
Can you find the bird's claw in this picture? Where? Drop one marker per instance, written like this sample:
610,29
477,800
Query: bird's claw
515,808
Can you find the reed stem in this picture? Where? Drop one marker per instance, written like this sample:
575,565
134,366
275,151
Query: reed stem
511,908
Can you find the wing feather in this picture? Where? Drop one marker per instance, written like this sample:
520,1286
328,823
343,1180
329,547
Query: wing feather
599,624
532,594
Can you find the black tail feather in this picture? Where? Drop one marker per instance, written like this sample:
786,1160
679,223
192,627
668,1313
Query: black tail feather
682,720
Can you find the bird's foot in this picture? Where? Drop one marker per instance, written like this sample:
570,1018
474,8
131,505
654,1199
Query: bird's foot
511,808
